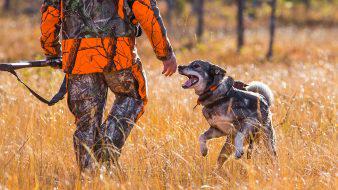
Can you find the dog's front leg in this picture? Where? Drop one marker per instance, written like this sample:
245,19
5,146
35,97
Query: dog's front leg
226,151
207,135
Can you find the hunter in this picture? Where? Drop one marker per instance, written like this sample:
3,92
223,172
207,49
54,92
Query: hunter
98,51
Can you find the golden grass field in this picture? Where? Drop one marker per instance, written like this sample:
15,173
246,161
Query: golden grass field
163,152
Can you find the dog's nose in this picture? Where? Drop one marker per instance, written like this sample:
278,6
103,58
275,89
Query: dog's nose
180,67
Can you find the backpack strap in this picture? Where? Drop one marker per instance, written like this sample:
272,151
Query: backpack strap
133,19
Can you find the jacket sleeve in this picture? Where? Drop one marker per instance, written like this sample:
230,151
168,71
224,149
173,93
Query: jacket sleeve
50,28
148,15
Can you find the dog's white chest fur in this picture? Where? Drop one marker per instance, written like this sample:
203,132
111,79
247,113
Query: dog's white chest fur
222,122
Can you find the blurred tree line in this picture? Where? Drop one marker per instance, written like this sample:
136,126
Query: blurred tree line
175,8
21,6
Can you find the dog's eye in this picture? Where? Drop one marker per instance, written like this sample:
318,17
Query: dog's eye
195,66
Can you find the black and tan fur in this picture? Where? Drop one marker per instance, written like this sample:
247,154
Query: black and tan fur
235,110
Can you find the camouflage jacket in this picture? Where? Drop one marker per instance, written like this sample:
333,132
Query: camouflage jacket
99,35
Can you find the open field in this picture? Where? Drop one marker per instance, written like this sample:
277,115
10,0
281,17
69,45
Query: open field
162,152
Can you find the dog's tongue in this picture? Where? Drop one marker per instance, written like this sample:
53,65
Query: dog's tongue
188,83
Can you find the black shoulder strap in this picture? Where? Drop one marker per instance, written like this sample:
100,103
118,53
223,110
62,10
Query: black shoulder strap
130,3
139,31
58,96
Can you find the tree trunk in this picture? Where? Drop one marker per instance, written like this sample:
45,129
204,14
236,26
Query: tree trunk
307,4
273,4
6,5
200,18
240,24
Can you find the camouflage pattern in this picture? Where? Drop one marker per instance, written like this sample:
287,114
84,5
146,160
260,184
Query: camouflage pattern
99,52
53,3
94,141
99,35
93,19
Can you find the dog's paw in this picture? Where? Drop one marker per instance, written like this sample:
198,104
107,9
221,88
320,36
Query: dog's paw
204,150
239,154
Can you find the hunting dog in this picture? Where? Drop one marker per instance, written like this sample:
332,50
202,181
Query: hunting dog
233,109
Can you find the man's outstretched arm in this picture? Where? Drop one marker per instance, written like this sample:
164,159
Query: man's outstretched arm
147,14
50,28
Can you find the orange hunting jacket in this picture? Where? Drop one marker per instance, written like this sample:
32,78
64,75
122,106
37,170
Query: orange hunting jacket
99,35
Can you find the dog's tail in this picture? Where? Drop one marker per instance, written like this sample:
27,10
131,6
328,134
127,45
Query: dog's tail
262,89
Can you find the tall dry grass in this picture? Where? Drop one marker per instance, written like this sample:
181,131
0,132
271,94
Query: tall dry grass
162,151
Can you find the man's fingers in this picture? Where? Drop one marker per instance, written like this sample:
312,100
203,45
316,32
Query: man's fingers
172,71
165,69
169,67
167,73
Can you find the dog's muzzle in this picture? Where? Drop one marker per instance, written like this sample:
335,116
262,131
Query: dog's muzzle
192,78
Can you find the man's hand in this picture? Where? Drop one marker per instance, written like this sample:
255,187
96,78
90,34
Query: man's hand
54,62
169,66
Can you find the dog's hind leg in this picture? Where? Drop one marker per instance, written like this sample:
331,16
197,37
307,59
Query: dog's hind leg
250,148
269,139
246,131
227,150
211,133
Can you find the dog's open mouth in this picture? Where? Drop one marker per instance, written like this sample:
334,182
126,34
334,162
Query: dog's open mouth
190,82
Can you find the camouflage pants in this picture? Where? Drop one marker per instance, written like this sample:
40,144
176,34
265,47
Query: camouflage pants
87,94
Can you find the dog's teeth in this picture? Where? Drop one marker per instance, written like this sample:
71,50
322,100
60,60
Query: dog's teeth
190,82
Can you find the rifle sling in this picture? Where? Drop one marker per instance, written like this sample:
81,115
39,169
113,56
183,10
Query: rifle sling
57,97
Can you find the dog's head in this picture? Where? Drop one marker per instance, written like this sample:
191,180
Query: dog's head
202,75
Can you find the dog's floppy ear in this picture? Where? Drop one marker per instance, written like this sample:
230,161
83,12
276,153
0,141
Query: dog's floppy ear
216,70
